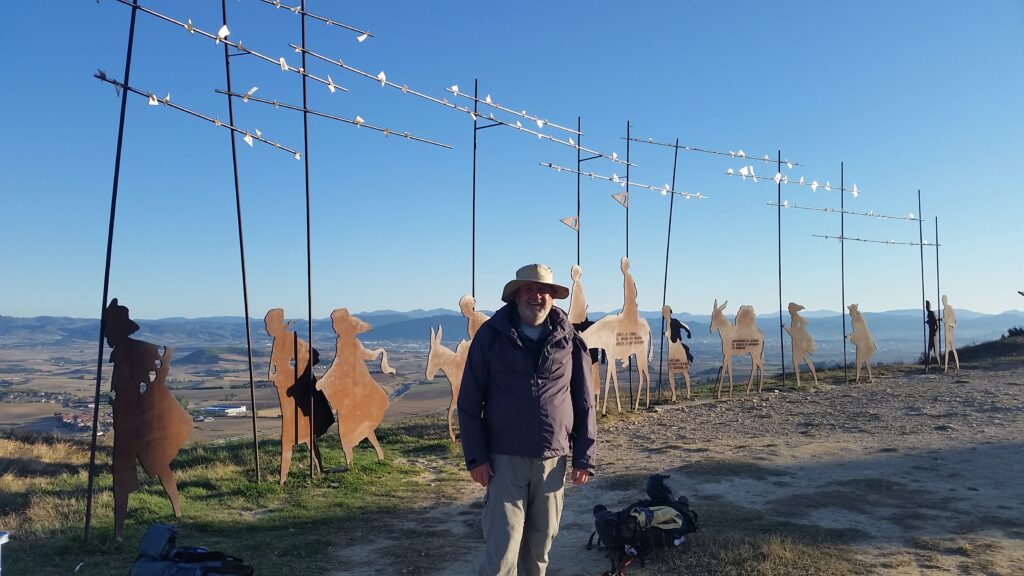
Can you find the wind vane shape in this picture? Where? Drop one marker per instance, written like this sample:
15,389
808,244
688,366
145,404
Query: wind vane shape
572,222
153,101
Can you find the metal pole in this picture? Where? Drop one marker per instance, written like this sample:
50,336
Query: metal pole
579,135
611,363
476,87
778,215
938,288
241,250
309,258
664,287
842,263
920,241
106,271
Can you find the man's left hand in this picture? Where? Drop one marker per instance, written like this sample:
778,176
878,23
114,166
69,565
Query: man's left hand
580,476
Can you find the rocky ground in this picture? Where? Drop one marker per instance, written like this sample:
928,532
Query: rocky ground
911,474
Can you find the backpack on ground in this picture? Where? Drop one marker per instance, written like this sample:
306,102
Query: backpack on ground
634,532
160,556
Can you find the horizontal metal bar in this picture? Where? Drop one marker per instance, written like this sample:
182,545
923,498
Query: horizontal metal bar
358,122
166,101
730,154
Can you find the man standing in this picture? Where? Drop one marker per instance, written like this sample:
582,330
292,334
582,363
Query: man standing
524,405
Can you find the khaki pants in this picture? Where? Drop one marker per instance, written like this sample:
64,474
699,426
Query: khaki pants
521,514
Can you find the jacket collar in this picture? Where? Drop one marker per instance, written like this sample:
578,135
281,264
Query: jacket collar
506,321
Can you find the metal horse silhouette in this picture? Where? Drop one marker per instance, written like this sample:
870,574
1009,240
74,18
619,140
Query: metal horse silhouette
742,338
621,336
352,392
452,364
149,424
291,375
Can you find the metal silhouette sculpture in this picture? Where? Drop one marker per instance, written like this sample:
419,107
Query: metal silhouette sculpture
359,401
802,342
679,356
949,327
150,426
933,336
580,322
743,337
621,336
862,340
476,319
291,375
451,364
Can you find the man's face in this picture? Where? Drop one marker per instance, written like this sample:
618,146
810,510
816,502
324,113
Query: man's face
534,301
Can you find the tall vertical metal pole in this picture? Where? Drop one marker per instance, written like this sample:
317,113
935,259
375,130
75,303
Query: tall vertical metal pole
920,242
938,288
106,270
778,215
842,262
664,287
627,192
579,161
476,115
309,257
241,249
611,363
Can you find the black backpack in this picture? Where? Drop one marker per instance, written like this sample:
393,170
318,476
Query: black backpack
159,556
636,531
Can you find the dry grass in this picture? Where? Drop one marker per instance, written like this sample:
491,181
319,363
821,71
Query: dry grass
770,554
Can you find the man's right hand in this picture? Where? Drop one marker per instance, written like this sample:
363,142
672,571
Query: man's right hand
482,474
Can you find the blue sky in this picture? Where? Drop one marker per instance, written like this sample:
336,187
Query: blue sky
909,95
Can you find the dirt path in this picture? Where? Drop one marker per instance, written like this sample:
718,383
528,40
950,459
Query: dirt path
918,474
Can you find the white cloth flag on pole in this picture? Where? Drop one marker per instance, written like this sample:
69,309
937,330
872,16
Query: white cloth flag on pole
572,222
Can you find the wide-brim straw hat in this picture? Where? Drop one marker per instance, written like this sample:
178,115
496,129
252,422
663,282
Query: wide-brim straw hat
533,273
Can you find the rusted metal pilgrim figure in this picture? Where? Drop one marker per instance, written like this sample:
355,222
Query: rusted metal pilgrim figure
149,424
803,344
949,326
679,356
861,338
352,392
451,363
742,338
291,375
620,336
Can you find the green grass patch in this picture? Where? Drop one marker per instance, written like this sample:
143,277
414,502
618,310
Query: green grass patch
275,528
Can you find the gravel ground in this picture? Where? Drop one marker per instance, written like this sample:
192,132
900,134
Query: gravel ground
915,473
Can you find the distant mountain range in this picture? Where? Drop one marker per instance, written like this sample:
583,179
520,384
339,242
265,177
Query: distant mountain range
899,333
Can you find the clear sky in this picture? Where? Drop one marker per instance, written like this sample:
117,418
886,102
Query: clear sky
911,95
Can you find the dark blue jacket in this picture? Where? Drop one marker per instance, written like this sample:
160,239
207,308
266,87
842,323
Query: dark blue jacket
520,402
